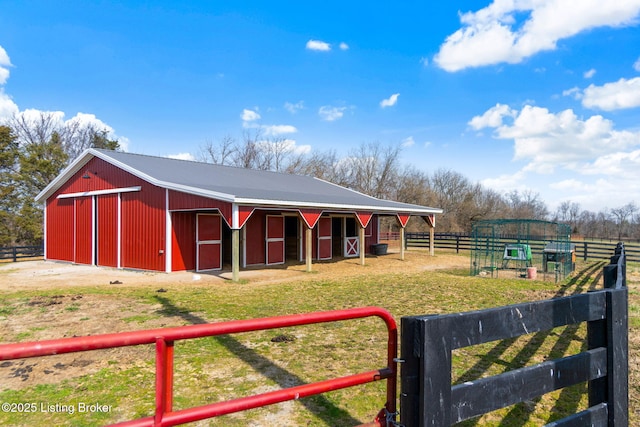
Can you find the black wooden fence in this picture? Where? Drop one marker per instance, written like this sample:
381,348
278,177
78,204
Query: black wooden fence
585,249
429,399
16,253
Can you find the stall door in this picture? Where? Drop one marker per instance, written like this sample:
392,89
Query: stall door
209,242
275,239
352,246
324,238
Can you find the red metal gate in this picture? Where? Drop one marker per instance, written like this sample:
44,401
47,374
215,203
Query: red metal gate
164,340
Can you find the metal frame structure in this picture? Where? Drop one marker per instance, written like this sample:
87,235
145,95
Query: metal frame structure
490,240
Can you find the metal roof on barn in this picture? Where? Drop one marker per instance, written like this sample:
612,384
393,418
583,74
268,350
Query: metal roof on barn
236,185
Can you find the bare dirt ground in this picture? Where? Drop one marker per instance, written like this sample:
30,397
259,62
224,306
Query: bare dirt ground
55,316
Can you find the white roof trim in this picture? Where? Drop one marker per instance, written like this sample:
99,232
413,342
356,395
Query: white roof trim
99,192
88,154
340,207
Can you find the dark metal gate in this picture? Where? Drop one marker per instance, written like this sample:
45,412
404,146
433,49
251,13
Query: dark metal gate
429,399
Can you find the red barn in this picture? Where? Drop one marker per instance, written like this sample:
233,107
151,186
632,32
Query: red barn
126,210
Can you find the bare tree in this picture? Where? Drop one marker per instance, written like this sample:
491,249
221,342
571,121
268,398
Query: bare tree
621,216
220,153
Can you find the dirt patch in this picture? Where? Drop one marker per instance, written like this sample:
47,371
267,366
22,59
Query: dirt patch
70,314
42,275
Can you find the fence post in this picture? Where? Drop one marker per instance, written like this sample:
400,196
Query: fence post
617,358
14,251
585,250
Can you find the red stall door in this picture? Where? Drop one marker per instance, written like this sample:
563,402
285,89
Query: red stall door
324,238
208,242
275,239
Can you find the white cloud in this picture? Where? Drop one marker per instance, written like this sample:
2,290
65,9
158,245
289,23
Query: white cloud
8,108
249,115
5,62
562,140
613,96
636,65
408,142
495,34
330,114
492,117
424,61
278,129
574,91
506,182
294,108
344,46
391,101
318,45
590,73
182,156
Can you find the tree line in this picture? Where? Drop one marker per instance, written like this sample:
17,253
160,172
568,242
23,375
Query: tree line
34,151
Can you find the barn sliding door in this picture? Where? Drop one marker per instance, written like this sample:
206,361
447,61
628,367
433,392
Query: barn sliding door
208,242
83,231
275,239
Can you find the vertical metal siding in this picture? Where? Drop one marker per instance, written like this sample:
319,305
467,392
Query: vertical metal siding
143,226
59,229
107,233
371,234
83,250
183,201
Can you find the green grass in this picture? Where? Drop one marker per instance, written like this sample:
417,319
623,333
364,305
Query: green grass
226,367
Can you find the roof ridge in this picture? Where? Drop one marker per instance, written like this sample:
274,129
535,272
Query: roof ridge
106,152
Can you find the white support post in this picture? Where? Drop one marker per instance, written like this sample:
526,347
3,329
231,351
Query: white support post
432,236
402,243
361,243
235,254
308,247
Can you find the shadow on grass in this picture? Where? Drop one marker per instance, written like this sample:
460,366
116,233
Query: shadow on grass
569,398
319,405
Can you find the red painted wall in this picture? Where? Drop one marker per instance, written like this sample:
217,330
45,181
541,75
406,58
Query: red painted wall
60,223
184,201
371,234
143,229
83,238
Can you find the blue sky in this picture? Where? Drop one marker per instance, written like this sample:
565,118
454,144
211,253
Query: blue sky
540,95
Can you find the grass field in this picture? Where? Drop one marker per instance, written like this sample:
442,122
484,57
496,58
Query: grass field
222,368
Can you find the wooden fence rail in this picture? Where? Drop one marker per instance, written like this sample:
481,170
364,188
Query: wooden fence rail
429,399
16,253
585,249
